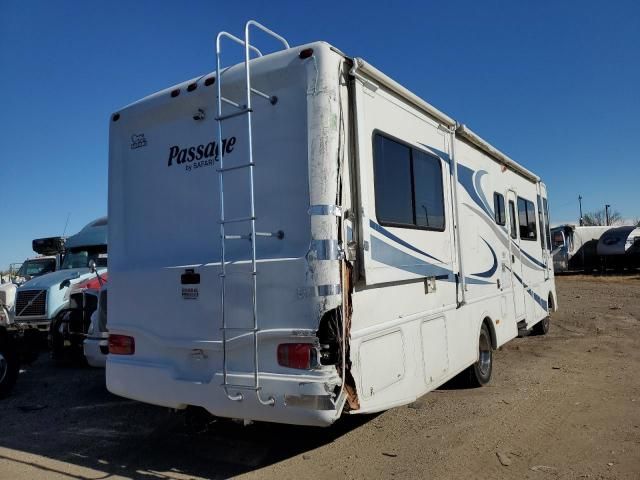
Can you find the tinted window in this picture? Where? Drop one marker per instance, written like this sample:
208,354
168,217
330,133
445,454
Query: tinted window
393,182
540,224
427,184
408,186
546,221
512,218
498,208
527,219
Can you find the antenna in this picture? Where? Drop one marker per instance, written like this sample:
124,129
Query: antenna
66,223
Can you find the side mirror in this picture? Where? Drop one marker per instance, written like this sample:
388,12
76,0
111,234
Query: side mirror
92,266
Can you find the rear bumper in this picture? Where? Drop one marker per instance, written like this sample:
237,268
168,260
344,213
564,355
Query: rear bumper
299,400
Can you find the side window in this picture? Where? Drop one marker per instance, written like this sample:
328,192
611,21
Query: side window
428,194
540,224
546,221
408,186
512,218
392,162
498,208
527,219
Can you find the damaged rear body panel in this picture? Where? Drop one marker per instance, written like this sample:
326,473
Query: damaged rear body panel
166,285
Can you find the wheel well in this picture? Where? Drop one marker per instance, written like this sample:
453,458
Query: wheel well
550,302
487,321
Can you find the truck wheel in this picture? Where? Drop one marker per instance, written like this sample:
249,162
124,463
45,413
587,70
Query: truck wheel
479,373
542,327
9,367
56,340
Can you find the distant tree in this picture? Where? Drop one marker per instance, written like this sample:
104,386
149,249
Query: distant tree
599,217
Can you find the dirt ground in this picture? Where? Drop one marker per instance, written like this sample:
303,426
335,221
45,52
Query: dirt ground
565,405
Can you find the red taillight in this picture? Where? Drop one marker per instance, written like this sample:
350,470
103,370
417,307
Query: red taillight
296,355
121,345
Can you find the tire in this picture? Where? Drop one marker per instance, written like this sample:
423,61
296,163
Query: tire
56,340
542,327
9,364
479,373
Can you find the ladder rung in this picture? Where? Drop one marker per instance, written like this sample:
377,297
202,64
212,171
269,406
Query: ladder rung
241,387
232,103
234,114
238,220
236,167
271,99
237,237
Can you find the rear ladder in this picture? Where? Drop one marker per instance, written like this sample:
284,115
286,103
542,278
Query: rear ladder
232,390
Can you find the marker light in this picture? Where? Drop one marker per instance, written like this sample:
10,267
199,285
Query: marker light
121,345
297,355
306,53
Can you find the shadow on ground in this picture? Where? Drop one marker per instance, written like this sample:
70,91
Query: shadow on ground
66,414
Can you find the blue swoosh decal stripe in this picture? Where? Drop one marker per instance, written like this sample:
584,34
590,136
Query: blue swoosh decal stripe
388,234
389,255
532,259
489,273
538,299
465,178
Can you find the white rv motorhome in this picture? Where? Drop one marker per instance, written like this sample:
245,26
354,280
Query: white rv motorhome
322,241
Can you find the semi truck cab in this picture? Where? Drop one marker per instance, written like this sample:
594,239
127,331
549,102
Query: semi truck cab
40,299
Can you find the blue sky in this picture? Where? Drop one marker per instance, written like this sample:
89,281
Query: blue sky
553,84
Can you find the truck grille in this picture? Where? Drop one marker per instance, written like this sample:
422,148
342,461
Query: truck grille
31,303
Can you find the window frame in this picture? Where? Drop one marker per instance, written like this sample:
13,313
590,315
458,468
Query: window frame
503,210
545,205
535,219
513,222
410,226
541,222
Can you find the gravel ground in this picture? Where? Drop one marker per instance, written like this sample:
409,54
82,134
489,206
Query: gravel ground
566,405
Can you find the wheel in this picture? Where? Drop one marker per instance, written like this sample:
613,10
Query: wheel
9,365
57,348
479,373
542,327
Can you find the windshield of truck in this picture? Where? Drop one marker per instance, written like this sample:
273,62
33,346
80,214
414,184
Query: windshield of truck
34,268
81,256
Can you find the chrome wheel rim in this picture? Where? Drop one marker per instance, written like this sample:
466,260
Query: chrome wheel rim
545,323
484,361
4,367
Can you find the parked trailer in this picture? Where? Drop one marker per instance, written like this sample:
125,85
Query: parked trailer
325,242
619,248
575,247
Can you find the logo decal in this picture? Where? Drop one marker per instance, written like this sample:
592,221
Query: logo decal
199,155
138,141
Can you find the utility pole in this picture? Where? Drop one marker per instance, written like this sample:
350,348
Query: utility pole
580,202
606,213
